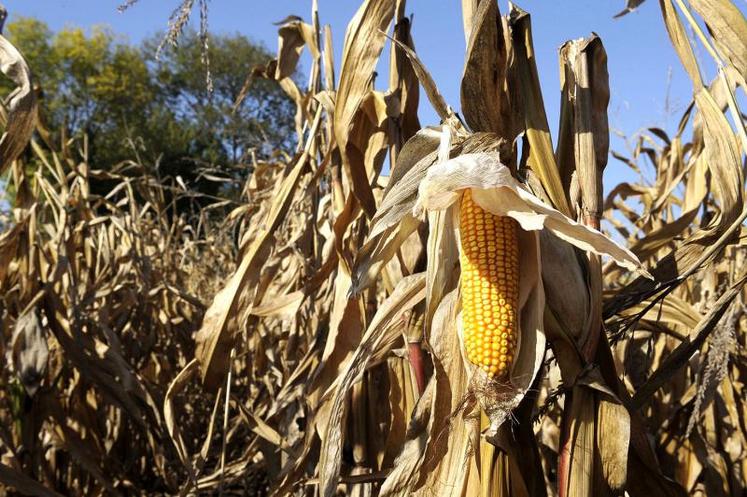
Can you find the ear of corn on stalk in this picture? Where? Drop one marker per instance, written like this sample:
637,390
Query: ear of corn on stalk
490,287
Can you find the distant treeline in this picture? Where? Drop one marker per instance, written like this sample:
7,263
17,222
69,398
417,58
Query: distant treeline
158,112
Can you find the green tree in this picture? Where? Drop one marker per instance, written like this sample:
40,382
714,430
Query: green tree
262,122
133,106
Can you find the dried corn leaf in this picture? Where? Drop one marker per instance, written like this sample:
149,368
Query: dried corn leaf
214,340
445,468
431,90
405,468
681,42
170,417
393,222
21,117
364,41
484,94
378,339
728,27
679,357
541,158
292,37
23,484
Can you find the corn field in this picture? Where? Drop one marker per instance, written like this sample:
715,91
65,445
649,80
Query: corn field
484,321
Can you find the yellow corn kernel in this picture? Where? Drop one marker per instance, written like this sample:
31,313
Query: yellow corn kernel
490,295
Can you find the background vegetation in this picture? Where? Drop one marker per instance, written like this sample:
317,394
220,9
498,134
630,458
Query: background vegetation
159,112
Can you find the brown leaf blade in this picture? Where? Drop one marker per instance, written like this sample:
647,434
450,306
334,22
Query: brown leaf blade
21,117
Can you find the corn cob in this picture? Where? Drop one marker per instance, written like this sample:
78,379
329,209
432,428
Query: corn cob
490,287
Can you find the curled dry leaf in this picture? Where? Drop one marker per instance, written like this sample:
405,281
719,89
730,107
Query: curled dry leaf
384,329
364,42
728,27
29,351
485,101
393,222
21,117
216,334
292,37
497,191
178,384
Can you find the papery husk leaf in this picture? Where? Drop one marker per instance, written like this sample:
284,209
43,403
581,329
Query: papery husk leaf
497,191
442,247
393,222
446,453
417,155
564,281
442,266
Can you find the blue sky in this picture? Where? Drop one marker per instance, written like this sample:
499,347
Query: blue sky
641,60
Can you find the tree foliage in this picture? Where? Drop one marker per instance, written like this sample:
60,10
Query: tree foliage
132,104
